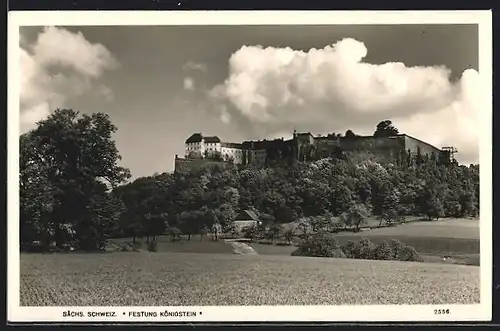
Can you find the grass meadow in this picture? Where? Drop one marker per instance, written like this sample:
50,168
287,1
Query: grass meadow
433,240
151,279
195,245
209,273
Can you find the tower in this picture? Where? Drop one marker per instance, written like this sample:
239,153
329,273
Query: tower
450,151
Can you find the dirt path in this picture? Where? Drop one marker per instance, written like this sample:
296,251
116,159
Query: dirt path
241,248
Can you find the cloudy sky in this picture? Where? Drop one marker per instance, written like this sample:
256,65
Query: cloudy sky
161,84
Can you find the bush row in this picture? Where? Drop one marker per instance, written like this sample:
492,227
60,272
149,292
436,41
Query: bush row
323,245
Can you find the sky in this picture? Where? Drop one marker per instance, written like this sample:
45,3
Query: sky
160,84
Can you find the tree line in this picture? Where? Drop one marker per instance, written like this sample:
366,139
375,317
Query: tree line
73,192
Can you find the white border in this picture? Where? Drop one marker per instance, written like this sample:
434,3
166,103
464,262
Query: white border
479,312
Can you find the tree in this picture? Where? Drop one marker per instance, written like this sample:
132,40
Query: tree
320,245
146,196
226,214
289,235
356,216
283,193
385,129
250,232
320,223
36,195
78,156
174,232
231,229
419,159
132,229
284,214
191,222
469,203
433,207
101,223
343,199
430,202
350,134
345,220
276,231
204,230
390,206
156,225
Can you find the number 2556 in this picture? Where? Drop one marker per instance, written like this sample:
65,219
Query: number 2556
441,311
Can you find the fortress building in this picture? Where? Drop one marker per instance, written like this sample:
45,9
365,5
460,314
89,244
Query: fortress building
200,149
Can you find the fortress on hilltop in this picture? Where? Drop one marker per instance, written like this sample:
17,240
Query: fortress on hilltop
203,150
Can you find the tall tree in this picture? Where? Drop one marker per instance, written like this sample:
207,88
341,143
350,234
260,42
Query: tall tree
385,129
78,157
350,134
389,212
430,201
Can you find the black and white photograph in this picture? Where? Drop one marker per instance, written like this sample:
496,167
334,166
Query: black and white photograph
242,169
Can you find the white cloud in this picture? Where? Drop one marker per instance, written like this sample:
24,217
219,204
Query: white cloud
193,66
332,89
225,117
189,84
58,66
56,46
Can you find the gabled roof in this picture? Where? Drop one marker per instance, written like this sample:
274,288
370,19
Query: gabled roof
195,138
198,137
231,145
211,139
247,215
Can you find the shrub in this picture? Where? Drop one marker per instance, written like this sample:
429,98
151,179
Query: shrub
396,250
383,251
366,249
126,248
396,247
362,249
351,249
323,245
319,245
289,235
336,227
130,246
33,247
250,232
409,253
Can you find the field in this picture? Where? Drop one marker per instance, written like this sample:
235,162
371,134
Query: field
456,238
195,245
447,228
209,273
150,279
